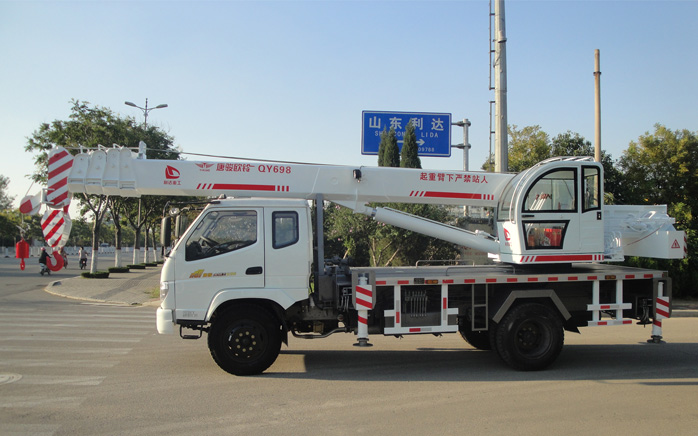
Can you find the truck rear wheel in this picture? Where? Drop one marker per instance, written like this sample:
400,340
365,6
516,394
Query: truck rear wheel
245,340
529,337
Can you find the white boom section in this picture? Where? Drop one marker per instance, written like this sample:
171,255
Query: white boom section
118,171
478,240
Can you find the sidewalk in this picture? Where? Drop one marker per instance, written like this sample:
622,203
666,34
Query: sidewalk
136,288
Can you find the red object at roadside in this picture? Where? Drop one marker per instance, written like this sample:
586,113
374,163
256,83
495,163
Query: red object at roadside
22,252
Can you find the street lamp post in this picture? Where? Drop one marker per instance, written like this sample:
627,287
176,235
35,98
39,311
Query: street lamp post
145,110
465,146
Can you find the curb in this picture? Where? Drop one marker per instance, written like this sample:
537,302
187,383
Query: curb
684,313
74,289
50,290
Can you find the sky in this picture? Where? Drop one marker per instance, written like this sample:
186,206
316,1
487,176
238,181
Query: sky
288,80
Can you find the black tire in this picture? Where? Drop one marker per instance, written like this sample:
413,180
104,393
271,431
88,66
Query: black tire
245,340
529,337
477,339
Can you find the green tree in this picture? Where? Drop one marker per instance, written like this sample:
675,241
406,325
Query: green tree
409,157
352,232
92,126
377,244
527,147
8,228
662,168
388,150
530,145
11,221
5,199
357,232
573,144
80,233
382,146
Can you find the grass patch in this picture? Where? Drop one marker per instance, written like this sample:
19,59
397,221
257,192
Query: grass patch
139,266
118,269
153,292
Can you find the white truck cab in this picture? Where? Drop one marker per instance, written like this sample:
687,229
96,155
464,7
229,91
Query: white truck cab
237,249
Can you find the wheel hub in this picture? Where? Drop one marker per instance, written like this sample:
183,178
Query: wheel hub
244,342
528,337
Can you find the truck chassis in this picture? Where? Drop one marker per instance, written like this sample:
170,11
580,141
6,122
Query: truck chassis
521,313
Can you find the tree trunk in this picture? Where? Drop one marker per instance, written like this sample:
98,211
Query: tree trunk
96,226
137,247
117,247
155,245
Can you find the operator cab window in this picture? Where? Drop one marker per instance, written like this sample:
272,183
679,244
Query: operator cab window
553,192
222,232
592,188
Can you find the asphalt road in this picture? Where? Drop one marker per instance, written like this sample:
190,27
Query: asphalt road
70,368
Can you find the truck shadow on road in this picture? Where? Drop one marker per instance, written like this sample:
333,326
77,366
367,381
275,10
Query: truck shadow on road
641,363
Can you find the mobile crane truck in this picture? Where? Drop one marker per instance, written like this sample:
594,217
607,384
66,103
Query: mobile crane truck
242,271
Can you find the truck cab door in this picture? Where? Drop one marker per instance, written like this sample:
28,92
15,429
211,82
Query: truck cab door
561,216
225,250
549,213
591,220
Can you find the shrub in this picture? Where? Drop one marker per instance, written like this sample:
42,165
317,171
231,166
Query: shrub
97,275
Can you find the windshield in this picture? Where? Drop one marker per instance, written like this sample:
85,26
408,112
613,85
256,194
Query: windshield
554,191
505,201
222,232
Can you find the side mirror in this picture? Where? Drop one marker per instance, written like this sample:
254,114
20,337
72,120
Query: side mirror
166,231
178,226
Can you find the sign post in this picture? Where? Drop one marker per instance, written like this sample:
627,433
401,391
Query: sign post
433,131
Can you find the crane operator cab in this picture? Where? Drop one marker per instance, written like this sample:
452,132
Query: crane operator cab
553,213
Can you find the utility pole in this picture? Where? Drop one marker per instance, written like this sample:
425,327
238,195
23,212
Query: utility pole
597,105
501,143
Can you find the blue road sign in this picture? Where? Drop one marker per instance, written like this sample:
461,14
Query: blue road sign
433,131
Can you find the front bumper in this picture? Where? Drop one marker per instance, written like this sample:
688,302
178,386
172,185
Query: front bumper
165,322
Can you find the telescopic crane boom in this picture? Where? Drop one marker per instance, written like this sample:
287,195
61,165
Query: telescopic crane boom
550,213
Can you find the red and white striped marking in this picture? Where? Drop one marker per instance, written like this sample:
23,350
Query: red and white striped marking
55,225
364,297
59,164
517,279
562,258
243,187
661,309
465,195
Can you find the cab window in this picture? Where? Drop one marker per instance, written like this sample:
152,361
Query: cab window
553,192
221,232
592,189
284,229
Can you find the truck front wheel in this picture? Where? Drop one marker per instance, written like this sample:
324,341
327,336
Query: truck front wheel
245,340
529,337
